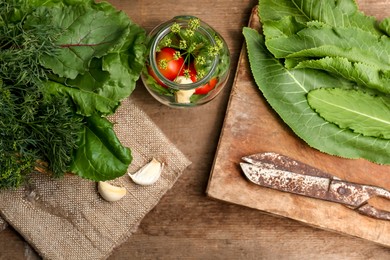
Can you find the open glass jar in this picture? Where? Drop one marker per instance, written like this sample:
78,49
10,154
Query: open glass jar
188,62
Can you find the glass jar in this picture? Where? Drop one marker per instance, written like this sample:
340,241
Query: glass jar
188,62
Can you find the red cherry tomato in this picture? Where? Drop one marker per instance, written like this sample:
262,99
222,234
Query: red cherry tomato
202,90
173,66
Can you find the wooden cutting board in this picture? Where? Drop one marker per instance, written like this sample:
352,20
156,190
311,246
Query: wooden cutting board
250,127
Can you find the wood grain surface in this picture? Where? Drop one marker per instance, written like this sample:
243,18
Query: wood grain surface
187,224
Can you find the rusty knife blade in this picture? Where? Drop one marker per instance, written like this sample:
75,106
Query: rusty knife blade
306,185
278,161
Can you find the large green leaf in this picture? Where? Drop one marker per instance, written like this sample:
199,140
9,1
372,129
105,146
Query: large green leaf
340,13
112,77
286,90
87,102
361,73
86,33
321,41
100,155
97,63
363,113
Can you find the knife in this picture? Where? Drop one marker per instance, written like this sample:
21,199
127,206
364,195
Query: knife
279,172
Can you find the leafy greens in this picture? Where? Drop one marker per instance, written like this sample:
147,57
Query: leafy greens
326,51
65,65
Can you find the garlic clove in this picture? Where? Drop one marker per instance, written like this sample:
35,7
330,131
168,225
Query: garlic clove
148,174
183,80
183,96
110,192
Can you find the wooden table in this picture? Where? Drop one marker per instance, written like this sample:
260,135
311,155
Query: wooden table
186,224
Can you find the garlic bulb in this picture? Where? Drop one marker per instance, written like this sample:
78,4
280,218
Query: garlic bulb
148,174
110,192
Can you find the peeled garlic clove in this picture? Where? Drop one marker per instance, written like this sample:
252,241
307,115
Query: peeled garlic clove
183,96
110,192
148,174
183,80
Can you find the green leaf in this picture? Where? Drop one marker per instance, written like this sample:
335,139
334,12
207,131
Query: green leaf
113,76
384,25
87,101
334,13
361,73
100,62
353,109
108,79
86,33
285,27
286,92
325,41
100,155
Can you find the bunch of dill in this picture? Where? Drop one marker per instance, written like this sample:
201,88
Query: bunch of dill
34,126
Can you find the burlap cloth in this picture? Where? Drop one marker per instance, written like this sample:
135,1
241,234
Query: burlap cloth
67,219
